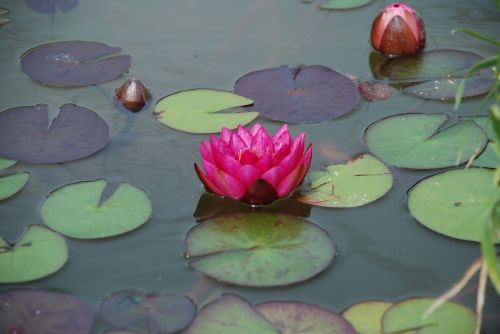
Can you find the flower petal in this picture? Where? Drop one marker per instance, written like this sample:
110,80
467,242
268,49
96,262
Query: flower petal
206,182
255,128
247,174
227,185
237,144
244,135
225,135
274,176
291,181
282,130
261,143
206,151
264,163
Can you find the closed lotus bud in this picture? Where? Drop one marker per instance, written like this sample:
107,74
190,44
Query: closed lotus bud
398,30
132,94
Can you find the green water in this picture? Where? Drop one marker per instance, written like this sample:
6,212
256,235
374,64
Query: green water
383,253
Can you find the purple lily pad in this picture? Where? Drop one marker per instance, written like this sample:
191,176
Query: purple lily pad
41,312
74,63
374,91
309,94
25,134
50,6
302,318
133,310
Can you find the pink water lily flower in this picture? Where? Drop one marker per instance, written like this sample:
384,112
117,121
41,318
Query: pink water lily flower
252,166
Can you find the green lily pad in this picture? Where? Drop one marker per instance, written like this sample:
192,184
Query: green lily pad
356,183
6,163
344,4
259,249
39,253
230,315
415,141
366,317
203,110
10,185
407,317
456,203
489,157
75,210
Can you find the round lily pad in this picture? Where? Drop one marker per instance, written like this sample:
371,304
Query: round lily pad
10,185
407,316
455,203
6,163
76,210
357,183
42,312
302,318
133,310
51,6
74,63
203,110
417,141
39,253
366,317
259,249
344,4
308,94
230,315
26,135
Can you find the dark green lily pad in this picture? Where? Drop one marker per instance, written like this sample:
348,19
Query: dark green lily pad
230,315
357,183
259,249
133,310
76,210
43,312
407,317
74,63
366,316
417,141
26,135
344,4
301,318
489,157
39,253
456,203
51,6
203,110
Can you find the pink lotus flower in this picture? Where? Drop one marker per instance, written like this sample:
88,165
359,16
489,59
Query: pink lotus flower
398,30
250,165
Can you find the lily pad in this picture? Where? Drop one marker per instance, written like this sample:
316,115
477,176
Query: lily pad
230,315
416,141
302,318
357,183
308,94
407,316
42,312
436,74
39,253
133,310
455,203
74,63
12,184
76,210
259,249
203,110
366,317
25,134
6,163
489,157
344,4
51,6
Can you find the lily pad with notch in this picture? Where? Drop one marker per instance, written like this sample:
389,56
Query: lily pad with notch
366,316
344,4
11,184
50,7
203,110
309,94
160,313
489,158
38,253
74,63
26,135
417,140
78,210
259,249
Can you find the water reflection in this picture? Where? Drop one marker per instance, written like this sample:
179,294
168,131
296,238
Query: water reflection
50,7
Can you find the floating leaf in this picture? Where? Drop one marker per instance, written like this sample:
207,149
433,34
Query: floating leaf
414,141
344,4
133,310
203,110
374,91
489,157
25,134
6,163
230,315
309,94
301,318
366,317
39,253
10,185
407,316
259,249
42,312
75,210
74,63
456,203
50,6
357,183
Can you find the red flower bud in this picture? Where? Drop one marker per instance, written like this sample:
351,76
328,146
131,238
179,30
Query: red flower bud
132,94
398,30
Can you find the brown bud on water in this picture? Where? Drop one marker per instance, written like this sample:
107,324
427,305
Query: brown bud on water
133,95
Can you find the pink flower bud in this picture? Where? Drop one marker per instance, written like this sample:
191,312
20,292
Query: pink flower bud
398,30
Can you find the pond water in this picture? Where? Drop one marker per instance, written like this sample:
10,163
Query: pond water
383,253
